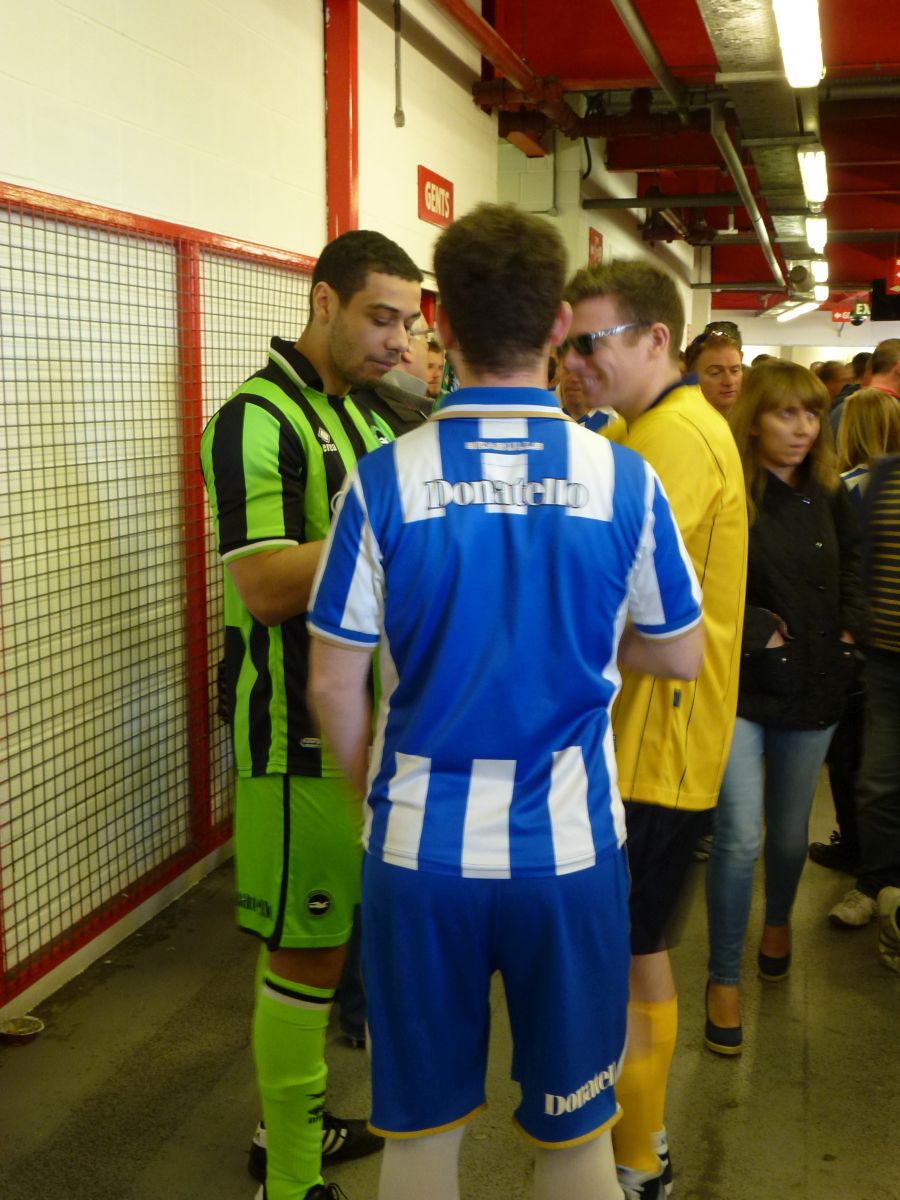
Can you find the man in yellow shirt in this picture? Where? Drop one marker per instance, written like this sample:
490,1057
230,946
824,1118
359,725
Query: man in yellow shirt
672,738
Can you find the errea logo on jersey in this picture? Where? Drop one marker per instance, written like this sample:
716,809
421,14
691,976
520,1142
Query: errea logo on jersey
325,438
500,493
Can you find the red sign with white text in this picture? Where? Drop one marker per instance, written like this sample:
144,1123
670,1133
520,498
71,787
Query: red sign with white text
595,247
435,198
841,314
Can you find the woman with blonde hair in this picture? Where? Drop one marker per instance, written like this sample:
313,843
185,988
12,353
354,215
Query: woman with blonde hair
804,611
869,429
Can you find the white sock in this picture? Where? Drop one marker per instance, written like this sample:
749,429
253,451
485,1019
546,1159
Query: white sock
585,1172
421,1166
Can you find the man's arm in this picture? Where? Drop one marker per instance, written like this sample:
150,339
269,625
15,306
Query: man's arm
276,584
338,694
671,658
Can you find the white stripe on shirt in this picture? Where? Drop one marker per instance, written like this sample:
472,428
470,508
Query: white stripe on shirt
418,459
406,795
591,465
363,608
486,829
570,823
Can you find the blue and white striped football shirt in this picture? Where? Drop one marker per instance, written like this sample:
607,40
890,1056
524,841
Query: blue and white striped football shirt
492,555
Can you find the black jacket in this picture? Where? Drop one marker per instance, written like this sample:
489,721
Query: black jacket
803,568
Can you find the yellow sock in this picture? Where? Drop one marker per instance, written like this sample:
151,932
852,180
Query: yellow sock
663,1032
641,1087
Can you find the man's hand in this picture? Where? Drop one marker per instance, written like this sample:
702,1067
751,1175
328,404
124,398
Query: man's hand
338,694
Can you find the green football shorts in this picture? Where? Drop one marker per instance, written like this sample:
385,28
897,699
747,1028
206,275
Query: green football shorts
298,852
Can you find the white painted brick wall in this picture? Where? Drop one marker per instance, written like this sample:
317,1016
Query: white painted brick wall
203,112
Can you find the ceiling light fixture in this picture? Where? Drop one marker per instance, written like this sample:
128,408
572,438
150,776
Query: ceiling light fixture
814,173
819,268
821,292
798,310
801,41
817,233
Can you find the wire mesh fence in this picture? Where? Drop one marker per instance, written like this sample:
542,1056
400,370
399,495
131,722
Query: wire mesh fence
109,366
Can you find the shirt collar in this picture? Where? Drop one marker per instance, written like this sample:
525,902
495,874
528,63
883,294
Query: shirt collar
296,365
689,380
499,402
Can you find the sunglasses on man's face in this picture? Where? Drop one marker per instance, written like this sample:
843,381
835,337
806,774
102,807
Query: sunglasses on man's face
583,343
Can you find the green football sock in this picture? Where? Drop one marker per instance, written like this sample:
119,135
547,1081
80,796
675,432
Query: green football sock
289,1047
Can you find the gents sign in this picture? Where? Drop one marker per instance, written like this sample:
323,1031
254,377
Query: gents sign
435,198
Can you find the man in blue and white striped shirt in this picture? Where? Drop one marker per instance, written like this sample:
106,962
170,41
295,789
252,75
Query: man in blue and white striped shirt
492,558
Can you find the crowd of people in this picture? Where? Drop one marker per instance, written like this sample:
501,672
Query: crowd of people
497,654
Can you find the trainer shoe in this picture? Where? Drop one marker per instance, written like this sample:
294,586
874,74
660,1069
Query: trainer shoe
889,928
343,1139
855,910
703,848
319,1191
661,1146
641,1185
834,854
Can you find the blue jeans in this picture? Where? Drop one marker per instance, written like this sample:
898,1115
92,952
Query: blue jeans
771,771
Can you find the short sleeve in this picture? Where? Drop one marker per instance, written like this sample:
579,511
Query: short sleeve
348,593
664,595
255,471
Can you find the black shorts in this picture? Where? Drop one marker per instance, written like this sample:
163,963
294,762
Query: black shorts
660,845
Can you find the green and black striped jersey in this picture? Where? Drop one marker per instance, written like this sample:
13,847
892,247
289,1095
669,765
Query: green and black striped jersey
274,458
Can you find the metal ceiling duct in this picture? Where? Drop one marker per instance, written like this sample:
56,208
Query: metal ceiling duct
746,32
640,35
745,40
733,163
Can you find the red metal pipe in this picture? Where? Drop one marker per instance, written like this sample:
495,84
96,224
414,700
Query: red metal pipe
190,356
489,42
112,218
341,106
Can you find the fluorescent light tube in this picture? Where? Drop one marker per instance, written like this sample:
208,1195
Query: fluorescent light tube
814,173
798,311
801,41
819,268
821,292
817,233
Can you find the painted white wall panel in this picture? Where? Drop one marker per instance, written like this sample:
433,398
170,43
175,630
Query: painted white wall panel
203,112
444,131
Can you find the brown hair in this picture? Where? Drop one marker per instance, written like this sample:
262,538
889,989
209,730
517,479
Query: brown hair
768,387
885,356
869,428
710,339
500,273
642,293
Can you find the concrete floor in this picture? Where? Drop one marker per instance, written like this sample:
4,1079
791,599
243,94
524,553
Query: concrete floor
141,1086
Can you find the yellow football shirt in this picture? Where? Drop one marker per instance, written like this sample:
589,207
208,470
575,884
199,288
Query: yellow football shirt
673,736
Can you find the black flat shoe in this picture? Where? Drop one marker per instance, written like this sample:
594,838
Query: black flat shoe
723,1039
773,969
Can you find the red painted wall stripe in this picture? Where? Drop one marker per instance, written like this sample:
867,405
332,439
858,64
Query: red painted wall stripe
341,109
190,357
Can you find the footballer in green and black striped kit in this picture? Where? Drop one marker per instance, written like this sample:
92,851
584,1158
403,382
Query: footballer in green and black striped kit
274,459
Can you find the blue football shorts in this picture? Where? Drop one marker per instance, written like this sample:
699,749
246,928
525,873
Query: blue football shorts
430,946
